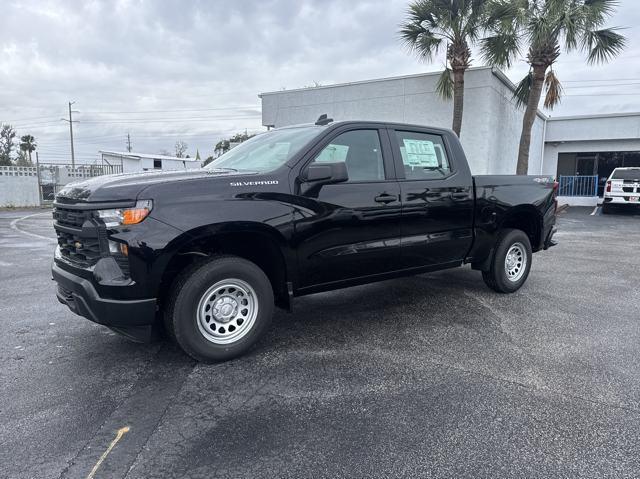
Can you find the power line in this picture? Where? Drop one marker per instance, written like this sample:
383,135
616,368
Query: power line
155,120
603,86
109,112
239,107
601,94
601,80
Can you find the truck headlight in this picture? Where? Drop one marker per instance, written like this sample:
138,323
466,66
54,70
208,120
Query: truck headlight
126,216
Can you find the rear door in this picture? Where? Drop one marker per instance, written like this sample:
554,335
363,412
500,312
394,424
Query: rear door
437,197
351,229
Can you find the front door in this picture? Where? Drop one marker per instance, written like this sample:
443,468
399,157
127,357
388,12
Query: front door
437,198
352,229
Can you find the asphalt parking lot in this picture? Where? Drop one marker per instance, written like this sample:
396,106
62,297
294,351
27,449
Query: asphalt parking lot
430,376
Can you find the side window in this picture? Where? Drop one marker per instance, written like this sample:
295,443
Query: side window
360,150
423,155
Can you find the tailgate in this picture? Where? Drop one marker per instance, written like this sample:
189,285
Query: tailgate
623,188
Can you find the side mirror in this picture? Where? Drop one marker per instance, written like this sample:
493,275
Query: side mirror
326,173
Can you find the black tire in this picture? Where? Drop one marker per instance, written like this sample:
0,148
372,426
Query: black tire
606,209
191,290
497,278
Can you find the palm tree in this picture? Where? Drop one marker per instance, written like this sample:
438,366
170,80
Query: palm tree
432,24
28,144
544,27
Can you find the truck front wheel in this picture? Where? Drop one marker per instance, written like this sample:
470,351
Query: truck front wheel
511,262
219,308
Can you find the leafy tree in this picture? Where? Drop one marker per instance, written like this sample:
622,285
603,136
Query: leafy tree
225,145
452,24
7,135
544,27
181,148
22,159
28,145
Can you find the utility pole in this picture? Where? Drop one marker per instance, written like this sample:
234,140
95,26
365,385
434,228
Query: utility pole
128,142
39,181
71,121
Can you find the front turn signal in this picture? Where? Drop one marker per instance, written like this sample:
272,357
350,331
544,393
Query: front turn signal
133,216
126,216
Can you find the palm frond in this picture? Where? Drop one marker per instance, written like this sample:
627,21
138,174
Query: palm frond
444,87
504,12
603,45
419,40
554,90
596,11
521,94
572,21
500,49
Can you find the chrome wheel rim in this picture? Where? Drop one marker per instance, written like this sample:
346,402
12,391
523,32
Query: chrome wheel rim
515,263
227,311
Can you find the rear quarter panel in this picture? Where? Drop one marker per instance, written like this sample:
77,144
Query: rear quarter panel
499,197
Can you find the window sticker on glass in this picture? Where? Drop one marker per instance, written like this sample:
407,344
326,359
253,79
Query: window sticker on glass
420,153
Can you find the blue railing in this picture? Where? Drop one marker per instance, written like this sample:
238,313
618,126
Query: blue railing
578,186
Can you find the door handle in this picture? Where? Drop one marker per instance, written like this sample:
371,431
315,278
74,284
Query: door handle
460,195
386,198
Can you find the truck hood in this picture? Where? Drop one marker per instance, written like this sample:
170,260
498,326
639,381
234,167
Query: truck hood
127,186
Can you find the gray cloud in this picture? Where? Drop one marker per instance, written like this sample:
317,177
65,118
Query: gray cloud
134,56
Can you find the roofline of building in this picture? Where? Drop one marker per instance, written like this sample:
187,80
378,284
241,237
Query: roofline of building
497,73
139,156
597,115
362,82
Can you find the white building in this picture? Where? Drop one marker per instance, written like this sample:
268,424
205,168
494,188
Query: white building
582,150
132,162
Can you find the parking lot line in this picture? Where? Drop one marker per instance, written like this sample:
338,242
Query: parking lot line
14,226
595,211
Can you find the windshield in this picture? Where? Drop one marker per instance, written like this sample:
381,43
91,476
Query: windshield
630,174
267,151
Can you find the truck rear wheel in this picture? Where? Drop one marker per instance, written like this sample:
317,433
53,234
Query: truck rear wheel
511,262
219,308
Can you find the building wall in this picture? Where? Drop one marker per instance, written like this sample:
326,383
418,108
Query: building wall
552,149
622,126
590,134
131,165
491,122
18,186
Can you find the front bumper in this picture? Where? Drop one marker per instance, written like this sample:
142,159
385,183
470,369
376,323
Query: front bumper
132,318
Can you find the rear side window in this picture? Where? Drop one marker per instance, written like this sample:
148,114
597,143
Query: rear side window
423,155
619,174
360,150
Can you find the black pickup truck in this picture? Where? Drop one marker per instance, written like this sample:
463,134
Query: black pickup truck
207,254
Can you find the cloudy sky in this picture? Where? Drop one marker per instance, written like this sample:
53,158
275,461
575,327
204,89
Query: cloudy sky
191,70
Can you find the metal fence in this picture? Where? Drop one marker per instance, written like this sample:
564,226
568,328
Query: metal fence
578,186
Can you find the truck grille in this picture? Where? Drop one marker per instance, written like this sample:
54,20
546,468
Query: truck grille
83,239
84,251
72,218
75,244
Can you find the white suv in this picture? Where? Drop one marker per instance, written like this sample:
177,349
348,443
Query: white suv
622,188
